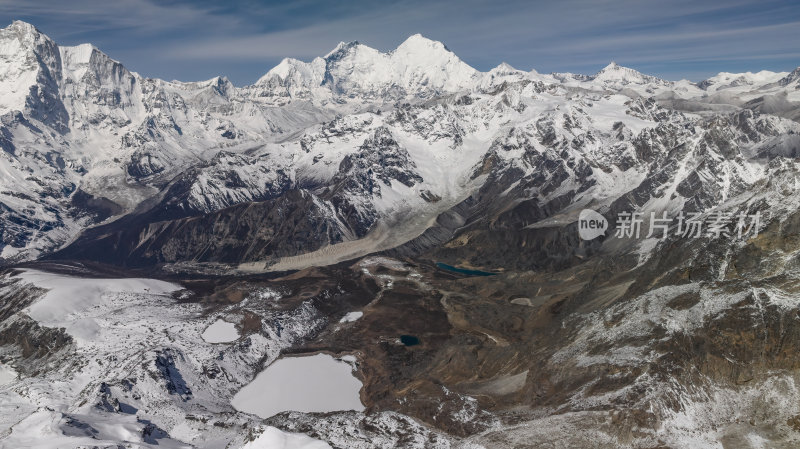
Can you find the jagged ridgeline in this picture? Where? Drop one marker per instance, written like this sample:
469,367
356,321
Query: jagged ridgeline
329,155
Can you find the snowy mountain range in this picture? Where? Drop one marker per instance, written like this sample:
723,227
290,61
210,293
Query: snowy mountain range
85,140
411,216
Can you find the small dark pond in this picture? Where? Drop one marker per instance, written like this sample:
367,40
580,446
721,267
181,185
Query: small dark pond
409,340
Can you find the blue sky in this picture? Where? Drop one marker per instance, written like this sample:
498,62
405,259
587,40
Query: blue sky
242,39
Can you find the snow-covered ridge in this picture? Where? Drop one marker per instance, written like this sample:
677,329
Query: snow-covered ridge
741,81
418,67
614,72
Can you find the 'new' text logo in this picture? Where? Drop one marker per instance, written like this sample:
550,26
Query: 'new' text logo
591,224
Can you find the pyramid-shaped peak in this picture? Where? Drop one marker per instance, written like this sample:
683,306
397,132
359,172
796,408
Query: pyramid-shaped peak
24,31
614,73
614,67
417,43
302,72
505,67
285,67
20,40
791,77
418,38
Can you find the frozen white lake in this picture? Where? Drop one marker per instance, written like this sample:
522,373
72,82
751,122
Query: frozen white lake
220,332
317,383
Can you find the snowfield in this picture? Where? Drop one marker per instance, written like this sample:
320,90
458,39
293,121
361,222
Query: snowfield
135,372
351,316
71,302
273,438
7,374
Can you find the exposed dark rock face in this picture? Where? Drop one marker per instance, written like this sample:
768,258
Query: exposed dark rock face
297,222
171,375
228,179
380,158
99,208
33,347
143,165
362,175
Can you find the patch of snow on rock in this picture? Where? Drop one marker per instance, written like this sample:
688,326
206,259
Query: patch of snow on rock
350,317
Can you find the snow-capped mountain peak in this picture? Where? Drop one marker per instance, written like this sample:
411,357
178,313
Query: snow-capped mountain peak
611,66
291,79
791,77
287,68
77,60
81,54
747,80
24,29
420,45
22,38
30,69
505,68
428,62
23,47
615,73
501,73
419,67
341,49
